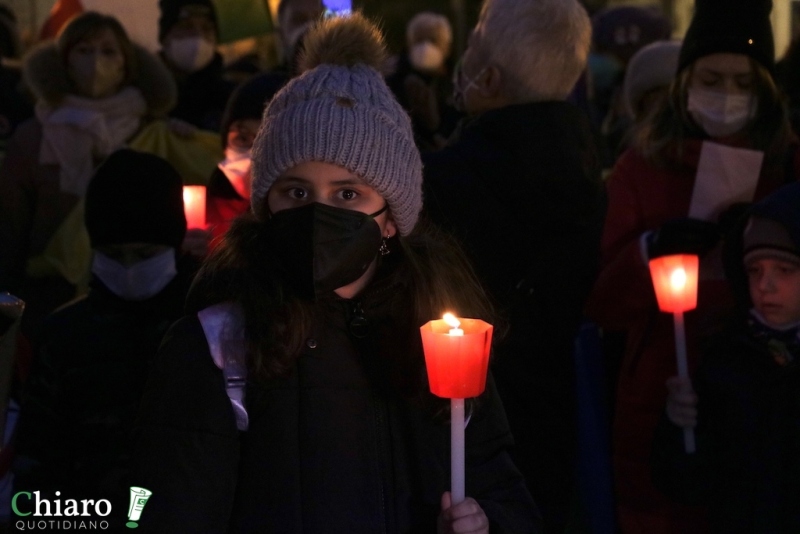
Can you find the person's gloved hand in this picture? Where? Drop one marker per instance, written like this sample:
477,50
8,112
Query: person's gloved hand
730,217
683,236
681,402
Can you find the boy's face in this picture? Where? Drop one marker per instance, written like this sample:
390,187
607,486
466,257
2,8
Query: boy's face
775,289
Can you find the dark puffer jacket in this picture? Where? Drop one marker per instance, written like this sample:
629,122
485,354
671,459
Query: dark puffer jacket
332,447
75,428
747,464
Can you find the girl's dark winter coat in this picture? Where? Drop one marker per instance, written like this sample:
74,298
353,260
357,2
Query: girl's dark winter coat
332,447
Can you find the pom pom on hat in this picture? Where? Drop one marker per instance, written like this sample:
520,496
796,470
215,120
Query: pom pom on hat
344,41
340,111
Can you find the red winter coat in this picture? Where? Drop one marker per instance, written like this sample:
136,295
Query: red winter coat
223,205
642,197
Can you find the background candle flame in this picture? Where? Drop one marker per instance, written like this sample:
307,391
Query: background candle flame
678,279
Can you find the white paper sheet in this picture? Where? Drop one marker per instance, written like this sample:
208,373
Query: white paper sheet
725,175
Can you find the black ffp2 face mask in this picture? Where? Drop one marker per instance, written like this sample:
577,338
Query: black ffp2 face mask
318,248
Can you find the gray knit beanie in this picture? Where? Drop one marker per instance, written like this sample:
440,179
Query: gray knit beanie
341,111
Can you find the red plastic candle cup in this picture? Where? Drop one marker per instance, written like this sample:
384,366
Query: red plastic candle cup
194,205
457,358
675,282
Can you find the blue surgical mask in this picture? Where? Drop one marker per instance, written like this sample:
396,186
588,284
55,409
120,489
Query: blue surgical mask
142,280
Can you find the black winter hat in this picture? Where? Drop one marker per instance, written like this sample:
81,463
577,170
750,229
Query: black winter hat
735,26
250,98
173,10
135,197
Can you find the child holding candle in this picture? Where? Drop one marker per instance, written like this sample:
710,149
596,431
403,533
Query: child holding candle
295,398
723,100
746,408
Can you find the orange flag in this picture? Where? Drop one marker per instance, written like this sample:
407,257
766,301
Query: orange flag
60,14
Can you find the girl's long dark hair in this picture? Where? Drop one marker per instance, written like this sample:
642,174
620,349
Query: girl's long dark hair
427,270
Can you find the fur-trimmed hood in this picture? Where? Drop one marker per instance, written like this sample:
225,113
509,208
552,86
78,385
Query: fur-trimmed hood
46,76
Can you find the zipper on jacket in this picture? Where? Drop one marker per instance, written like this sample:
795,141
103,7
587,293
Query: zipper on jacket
380,424
359,328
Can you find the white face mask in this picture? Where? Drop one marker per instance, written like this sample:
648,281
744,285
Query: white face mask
140,281
97,76
236,167
426,56
190,54
720,114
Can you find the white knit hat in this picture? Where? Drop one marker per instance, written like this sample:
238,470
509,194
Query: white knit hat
651,67
341,111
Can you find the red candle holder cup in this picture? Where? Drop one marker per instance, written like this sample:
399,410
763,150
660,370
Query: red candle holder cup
675,282
194,205
457,364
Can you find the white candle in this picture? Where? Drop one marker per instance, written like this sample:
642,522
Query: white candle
457,490
454,323
683,372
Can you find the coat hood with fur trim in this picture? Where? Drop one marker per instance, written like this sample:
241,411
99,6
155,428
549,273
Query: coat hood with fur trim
46,75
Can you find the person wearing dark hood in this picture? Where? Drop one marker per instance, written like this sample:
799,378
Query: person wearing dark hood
74,433
229,186
744,401
188,33
95,90
521,187
228,192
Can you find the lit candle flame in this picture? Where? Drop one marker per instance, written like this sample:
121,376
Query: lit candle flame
678,279
451,320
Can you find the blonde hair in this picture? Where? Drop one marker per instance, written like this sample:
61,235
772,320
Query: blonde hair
540,46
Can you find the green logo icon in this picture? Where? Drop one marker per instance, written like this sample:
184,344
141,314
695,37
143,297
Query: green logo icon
139,498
